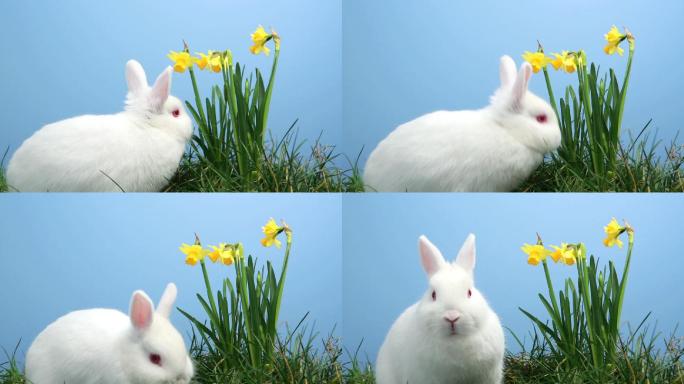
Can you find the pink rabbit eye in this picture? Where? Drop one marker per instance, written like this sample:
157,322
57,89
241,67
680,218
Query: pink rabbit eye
155,359
470,293
434,295
542,118
176,112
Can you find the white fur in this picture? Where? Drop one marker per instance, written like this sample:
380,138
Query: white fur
105,346
492,149
139,149
422,348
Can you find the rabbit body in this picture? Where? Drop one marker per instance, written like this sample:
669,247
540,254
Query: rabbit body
137,150
426,155
443,359
491,149
105,346
450,336
84,154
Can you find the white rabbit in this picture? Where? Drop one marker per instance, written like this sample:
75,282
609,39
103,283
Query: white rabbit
450,336
137,150
491,149
105,346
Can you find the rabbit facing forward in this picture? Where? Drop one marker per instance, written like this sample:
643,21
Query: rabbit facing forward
105,346
492,149
451,335
137,150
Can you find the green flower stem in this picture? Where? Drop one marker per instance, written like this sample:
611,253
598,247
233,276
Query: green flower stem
243,292
549,88
198,100
210,294
281,283
549,283
623,283
585,100
269,91
583,284
625,82
229,83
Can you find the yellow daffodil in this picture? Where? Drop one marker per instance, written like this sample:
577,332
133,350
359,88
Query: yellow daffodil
225,253
564,61
614,38
228,255
537,59
557,253
193,253
271,231
535,253
613,231
565,253
215,252
260,38
215,61
202,61
181,60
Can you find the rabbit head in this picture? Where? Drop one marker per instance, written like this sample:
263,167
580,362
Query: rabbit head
524,115
154,351
154,106
451,306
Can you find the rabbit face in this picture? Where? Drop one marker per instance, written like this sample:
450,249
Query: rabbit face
533,124
154,351
157,355
451,306
155,105
521,113
174,119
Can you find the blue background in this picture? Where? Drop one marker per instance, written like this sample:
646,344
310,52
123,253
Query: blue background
382,274
417,56
67,58
65,252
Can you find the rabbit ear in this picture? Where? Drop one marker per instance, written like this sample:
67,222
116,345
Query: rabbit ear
520,85
165,305
141,311
506,71
135,77
466,256
161,89
430,256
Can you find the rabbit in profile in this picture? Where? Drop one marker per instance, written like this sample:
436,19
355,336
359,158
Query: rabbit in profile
137,150
105,346
491,149
451,335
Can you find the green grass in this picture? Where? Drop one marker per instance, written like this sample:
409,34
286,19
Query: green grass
640,360
287,165
10,373
642,166
302,359
299,358
3,180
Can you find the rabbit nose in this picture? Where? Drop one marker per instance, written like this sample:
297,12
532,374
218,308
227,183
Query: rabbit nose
452,317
